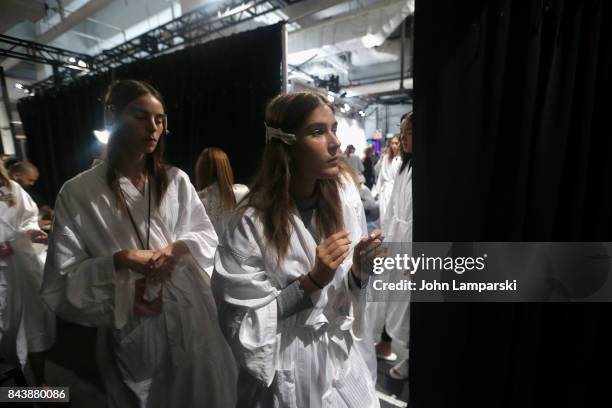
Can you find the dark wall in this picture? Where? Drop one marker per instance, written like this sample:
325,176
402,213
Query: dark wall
215,95
512,143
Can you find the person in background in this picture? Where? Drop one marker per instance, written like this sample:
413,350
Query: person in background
391,319
131,254
216,188
354,161
390,164
27,174
368,167
27,325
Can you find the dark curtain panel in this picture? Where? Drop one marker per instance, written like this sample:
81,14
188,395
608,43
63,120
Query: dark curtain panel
512,143
215,95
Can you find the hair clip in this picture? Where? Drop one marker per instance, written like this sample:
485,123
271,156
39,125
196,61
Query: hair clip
287,138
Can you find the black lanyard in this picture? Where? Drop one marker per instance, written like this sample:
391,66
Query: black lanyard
132,218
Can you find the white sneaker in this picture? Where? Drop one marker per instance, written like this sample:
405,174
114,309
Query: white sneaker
400,370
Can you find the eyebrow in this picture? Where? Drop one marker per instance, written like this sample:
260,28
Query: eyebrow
320,124
140,110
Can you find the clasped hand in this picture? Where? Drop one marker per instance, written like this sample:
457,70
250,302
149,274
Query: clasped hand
154,264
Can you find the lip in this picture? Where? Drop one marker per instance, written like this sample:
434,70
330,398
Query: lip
335,161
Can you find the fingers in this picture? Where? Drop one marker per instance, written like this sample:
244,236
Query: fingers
339,251
376,235
336,263
371,248
335,237
338,244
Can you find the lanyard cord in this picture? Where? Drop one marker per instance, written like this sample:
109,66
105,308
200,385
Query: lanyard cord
132,218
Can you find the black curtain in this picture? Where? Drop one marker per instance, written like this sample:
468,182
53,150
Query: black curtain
512,143
215,95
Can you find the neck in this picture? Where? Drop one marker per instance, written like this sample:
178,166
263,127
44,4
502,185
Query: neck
302,188
132,165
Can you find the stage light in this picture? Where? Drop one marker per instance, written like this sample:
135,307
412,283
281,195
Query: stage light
347,108
330,98
102,135
82,64
72,60
19,85
361,113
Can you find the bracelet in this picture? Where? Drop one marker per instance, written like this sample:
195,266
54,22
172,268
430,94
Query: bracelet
313,281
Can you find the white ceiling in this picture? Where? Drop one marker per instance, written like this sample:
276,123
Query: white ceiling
326,36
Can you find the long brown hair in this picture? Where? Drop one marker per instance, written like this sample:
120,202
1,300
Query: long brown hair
270,194
212,166
118,96
5,181
390,152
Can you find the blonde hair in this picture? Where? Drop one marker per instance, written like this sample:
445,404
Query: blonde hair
270,194
5,181
212,166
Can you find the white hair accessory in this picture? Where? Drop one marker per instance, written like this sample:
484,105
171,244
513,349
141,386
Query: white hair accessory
288,138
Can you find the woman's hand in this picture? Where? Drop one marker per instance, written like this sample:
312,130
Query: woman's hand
363,255
37,236
134,259
163,260
330,254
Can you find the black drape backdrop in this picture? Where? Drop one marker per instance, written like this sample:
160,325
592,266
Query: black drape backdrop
512,143
215,95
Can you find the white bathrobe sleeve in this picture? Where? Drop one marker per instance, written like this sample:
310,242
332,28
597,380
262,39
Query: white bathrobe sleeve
78,287
193,226
28,210
246,299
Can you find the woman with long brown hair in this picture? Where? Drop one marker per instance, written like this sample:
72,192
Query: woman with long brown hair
288,270
216,188
130,253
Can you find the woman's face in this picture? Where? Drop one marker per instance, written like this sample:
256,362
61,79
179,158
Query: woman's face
395,145
142,123
316,153
406,135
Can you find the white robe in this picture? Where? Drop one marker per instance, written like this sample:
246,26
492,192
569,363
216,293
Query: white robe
308,359
352,197
384,184
396,227
177,358
211,198
26,323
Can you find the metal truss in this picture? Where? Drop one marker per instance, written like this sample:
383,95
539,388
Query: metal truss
44,54
187,30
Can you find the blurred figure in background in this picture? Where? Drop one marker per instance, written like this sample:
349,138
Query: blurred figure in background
27,174
390,164
216,188
368,167
27,325
354,161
